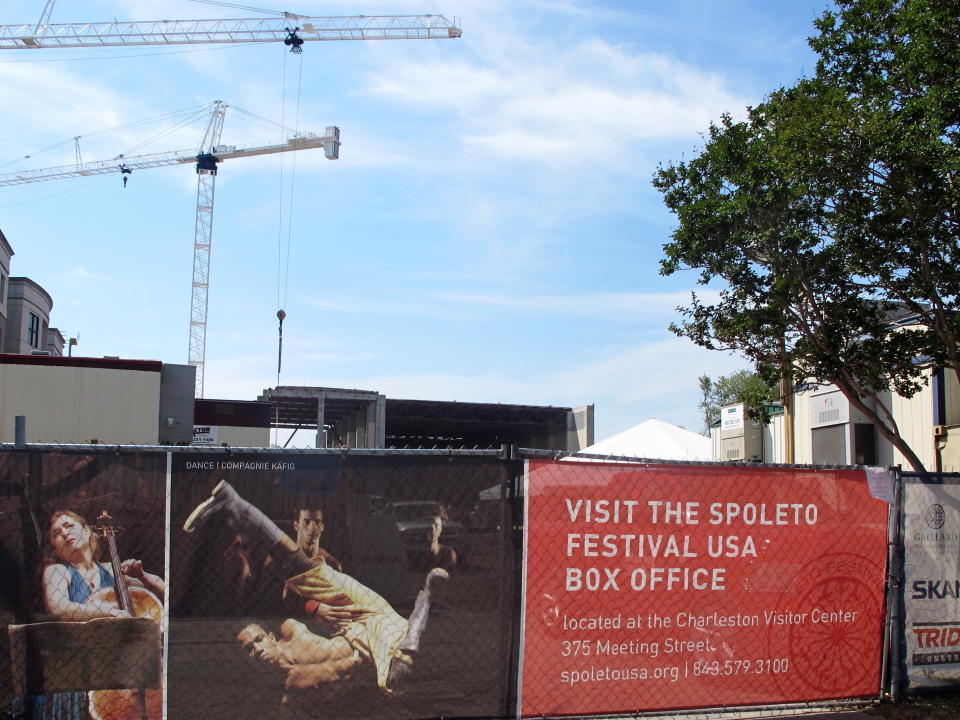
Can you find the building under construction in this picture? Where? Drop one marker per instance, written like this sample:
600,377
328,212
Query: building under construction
366,418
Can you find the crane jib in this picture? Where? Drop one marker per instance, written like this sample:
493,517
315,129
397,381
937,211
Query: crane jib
242,30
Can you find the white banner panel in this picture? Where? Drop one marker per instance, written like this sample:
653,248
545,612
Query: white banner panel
205,435
932,587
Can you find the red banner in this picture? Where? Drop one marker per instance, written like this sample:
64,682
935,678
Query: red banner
683,586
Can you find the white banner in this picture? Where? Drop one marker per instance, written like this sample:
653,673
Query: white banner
731,418
205,435
932,582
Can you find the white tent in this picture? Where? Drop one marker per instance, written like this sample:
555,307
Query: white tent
655,440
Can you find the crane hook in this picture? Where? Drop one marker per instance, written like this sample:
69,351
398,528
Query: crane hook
280,316
124,171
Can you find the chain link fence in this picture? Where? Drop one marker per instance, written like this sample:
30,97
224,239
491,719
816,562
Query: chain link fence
268,583
432,584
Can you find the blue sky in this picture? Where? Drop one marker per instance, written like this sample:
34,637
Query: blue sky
489,233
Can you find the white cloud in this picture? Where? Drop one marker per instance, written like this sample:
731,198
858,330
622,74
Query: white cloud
606,306
584,104
79,273
612,306
52,104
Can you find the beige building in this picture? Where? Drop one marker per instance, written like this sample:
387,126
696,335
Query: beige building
828,430
80,400
76,400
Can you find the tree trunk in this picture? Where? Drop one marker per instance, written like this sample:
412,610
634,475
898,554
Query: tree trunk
891,434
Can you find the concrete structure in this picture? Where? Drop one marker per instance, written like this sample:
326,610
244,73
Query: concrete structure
366,418
77,400
176,408
83,400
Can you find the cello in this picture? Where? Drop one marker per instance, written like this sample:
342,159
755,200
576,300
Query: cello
126,704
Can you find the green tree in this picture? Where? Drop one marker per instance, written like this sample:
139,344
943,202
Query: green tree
891,67
831,212
742,386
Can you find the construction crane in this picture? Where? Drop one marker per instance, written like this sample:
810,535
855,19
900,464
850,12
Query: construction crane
210,153
288,28
291,29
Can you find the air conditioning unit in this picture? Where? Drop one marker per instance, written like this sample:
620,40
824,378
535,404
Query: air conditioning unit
741,439
840,434
40,352
829,406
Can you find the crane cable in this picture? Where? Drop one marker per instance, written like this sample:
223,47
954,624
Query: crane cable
189,115
283,264
203,113
283,254
293,181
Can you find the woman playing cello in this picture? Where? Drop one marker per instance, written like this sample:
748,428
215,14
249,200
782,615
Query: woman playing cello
74,575
78,586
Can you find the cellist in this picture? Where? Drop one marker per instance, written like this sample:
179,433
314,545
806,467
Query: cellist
75,572
76,586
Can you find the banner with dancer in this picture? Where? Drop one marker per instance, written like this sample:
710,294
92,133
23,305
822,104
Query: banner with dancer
350,585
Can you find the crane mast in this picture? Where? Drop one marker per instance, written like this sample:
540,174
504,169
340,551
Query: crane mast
203,233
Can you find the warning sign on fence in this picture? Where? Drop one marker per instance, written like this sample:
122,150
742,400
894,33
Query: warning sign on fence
696,586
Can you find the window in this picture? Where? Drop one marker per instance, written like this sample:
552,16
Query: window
33,332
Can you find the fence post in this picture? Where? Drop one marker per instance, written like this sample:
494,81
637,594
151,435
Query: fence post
895,625
512,528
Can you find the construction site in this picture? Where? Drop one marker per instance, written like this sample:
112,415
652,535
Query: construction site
167,403
325,358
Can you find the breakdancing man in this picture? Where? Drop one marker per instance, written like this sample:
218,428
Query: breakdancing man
374,634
